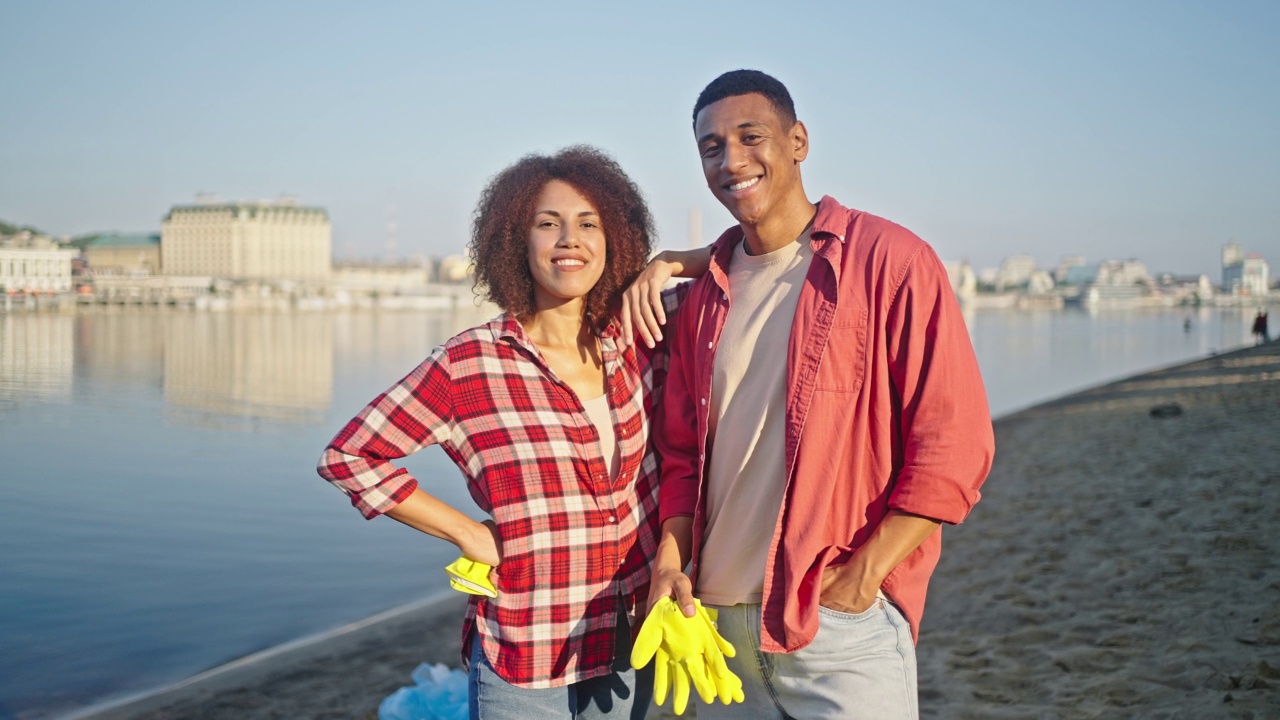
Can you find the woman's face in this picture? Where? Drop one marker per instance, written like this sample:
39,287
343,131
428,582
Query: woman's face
566,246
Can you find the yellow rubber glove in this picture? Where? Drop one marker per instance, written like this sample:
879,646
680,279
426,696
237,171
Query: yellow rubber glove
670,675
471,577
687,650
728,686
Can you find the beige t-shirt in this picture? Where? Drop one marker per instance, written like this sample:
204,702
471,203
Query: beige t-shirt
747,474
598,413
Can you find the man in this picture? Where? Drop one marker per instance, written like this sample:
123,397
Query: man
823,416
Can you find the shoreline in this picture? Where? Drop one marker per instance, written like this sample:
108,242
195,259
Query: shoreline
1133,558
372,640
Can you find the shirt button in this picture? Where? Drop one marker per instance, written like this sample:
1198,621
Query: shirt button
724,296
613,518
709,346
704,401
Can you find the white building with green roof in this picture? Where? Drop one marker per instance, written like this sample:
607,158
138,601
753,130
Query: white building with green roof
247,241
123,254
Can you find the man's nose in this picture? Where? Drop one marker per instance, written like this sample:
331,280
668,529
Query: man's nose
734,157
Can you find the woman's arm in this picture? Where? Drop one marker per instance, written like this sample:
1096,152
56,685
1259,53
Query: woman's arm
642,310
427,513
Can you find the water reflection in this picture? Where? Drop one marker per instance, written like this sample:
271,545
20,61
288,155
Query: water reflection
237,371
120,349
228,369
218,370
37,357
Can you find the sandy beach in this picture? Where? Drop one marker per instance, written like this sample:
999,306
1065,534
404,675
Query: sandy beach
1122,563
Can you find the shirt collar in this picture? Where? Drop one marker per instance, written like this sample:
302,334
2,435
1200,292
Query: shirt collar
506,328
831,220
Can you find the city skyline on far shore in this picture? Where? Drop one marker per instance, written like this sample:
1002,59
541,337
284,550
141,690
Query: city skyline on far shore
389,254
1145,130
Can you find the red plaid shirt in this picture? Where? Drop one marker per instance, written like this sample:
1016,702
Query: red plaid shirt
573,541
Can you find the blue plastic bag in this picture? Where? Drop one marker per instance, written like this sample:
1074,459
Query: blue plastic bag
438,693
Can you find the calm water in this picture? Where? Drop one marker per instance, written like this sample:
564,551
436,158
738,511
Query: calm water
162,512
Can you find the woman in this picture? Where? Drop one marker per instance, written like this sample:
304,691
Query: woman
545,411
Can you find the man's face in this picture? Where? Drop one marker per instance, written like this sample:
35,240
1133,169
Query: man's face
750,158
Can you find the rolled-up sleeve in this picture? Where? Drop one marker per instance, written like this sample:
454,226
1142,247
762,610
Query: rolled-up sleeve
414,413
947,438
677,436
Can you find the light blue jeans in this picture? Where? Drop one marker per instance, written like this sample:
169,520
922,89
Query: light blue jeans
858,666
623,694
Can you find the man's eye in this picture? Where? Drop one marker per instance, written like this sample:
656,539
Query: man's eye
750,138
710,150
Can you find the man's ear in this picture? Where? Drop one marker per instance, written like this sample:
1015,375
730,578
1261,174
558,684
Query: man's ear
799,142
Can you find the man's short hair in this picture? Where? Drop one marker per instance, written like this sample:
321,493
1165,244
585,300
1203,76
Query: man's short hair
745,82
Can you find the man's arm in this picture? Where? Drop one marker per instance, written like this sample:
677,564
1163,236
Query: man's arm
675,549
852,587
945,425
678,442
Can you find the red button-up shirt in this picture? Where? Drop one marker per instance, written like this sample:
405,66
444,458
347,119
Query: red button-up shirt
885,409
573,541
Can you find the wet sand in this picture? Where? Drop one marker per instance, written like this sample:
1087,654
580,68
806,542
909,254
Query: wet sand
1120,564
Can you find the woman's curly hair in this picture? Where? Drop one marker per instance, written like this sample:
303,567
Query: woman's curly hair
504,216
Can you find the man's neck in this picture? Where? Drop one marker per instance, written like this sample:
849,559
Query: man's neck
780,229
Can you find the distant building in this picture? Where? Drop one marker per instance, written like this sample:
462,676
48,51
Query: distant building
1123,272
1118,283
963,282
381,277
34,264
1015,271
247,240
455,269
1186,289
117,254
1079,275
1232,255
1244,274
1040,282
1066,265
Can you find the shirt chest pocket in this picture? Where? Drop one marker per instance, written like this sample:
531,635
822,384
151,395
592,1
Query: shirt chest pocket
844,362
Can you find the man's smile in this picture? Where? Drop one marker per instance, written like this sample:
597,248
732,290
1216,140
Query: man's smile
742,185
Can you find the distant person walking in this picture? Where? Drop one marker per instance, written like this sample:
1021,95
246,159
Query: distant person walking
1260,332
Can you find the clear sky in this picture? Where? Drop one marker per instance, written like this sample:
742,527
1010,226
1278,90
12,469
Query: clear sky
1145,129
